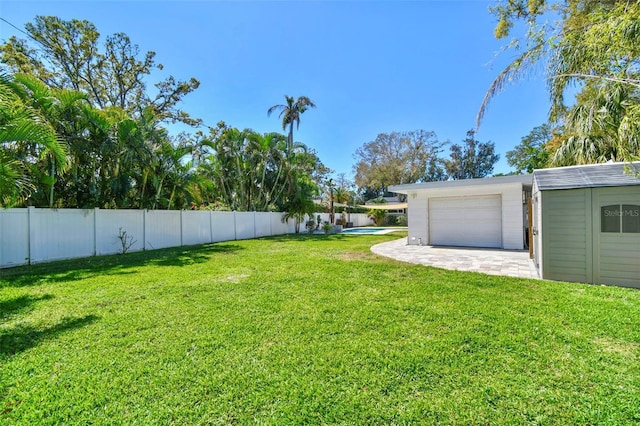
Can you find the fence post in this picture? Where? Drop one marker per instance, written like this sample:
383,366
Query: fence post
95,231
30,212
181,228
210,226
235,226
144,229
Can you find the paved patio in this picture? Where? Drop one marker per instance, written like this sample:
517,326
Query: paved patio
511,263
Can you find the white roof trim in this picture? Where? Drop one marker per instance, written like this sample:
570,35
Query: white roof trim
496,180
396,206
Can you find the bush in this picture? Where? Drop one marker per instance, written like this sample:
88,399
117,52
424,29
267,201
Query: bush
327,227
311,226
378,216
391,220
401,220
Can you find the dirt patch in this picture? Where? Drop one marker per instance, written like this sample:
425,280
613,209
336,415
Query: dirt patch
356,256
620,347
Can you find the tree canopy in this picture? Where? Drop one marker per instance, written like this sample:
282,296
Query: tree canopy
473,159
532,152
398,158
69,55
593,45
80,128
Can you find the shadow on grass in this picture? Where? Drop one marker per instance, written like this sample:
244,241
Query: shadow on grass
19,304
118,264
20,338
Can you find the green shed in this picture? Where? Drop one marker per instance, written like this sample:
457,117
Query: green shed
585,223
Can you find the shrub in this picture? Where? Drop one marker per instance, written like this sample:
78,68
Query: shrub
378,216
401,220
327,227
311,226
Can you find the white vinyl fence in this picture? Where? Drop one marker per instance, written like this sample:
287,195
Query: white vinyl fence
34,235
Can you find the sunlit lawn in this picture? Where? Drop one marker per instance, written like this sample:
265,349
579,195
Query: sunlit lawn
309,330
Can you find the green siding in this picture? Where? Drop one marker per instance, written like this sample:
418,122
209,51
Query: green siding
616,255
566,235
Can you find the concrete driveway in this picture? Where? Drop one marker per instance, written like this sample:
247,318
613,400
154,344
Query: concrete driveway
511,263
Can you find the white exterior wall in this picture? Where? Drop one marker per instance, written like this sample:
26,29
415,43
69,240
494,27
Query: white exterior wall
512,211
418,218
513,218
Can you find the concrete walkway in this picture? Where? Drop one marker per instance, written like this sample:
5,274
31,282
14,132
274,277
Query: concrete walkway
511,263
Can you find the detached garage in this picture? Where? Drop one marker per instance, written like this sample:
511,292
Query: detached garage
488,212
586,224
464,221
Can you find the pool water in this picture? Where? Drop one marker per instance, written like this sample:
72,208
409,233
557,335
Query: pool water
369,230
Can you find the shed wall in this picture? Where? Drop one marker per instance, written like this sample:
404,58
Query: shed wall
616,257
536,224
566,235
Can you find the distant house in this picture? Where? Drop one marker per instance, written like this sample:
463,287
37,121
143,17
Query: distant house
581,223
392,204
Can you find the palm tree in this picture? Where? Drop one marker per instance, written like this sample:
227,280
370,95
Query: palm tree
300,202
601,127
290,113
22,124
342,195
14,182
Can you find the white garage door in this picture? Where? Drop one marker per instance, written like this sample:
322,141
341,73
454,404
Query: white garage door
466,221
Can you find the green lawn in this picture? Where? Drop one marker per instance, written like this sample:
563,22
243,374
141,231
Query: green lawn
309,330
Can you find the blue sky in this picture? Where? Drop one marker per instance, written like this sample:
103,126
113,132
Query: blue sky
370,66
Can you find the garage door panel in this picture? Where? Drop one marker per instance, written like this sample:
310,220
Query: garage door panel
466,221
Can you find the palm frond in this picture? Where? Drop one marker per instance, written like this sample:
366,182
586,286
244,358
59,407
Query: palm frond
513,71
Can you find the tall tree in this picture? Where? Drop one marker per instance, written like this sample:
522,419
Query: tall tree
256,172
290,113
68,55
532,152
344,189
472,159
592,44
398,158
592,40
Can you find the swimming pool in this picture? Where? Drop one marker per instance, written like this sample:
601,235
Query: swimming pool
370,231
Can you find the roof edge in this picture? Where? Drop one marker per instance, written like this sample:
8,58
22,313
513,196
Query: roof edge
494,180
